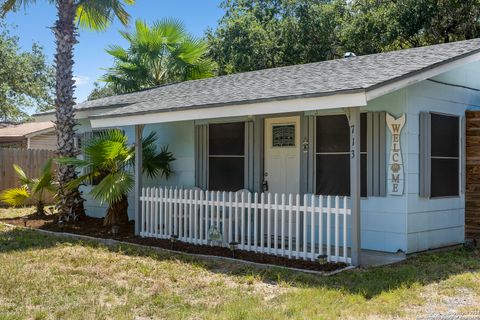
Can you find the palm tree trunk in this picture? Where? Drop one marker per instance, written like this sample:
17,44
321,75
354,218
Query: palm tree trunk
40,209
117,213
70,202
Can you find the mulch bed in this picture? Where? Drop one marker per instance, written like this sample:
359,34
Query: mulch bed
94,227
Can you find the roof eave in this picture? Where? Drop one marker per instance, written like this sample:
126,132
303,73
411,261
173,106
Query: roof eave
39,132
398,83
353,98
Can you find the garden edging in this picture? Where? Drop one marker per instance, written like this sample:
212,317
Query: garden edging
113,242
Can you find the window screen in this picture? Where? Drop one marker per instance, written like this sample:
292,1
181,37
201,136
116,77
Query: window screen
333,155
226,156
445,150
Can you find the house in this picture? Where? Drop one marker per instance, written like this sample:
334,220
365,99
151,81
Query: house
361,157
30,135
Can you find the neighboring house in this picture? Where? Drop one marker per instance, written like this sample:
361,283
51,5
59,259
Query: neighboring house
385,130
30,135
4,124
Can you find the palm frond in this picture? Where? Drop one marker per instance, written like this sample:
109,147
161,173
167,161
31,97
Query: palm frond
99,14
117,52
88,177
45,182
15,5
169,28
109,157
22,177
79,163
15,196
112,187
158,164
155,163
161,53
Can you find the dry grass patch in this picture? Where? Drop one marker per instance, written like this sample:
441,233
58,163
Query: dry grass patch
45,277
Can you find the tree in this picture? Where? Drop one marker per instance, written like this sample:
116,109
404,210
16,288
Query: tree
108,160
26,79
158,54
90,14
259,34
376,26
101,91
32,189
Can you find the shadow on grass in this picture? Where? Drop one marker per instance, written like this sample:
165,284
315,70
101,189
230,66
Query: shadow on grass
420,270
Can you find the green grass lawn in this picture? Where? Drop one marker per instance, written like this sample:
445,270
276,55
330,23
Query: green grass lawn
44,277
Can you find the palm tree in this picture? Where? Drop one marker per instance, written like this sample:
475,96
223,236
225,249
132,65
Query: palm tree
160,54
90,14
32,189
107,162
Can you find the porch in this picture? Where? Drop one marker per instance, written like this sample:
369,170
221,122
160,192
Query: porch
269,200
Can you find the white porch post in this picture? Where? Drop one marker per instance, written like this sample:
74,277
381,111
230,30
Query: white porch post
138,177
354,122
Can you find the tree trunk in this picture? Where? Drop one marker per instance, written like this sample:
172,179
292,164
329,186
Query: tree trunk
40,208
117,213
70,201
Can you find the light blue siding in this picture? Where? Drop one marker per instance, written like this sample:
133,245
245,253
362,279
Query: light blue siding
179,137
433,223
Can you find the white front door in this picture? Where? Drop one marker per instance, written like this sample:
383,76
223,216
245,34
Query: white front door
282,155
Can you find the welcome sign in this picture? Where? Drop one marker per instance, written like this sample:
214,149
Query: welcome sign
395,165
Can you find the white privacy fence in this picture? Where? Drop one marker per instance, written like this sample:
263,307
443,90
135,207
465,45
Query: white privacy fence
282,225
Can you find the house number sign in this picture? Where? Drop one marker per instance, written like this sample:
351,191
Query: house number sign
395,163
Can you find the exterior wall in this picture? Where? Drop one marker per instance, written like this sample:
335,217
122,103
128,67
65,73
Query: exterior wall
383,219
15,144
433,223
46,141
92,207
178,136
409,222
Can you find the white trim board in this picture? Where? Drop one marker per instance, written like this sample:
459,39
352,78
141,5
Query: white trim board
262,108
79,114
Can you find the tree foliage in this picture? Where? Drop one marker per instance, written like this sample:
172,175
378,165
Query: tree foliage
31,189
258,34
26,79
158,54
100,91
108,159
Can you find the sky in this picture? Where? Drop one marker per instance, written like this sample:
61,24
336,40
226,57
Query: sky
33,25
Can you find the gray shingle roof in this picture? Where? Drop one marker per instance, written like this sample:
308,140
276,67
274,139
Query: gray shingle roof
360,73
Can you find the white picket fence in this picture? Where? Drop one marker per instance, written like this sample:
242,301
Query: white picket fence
281,225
